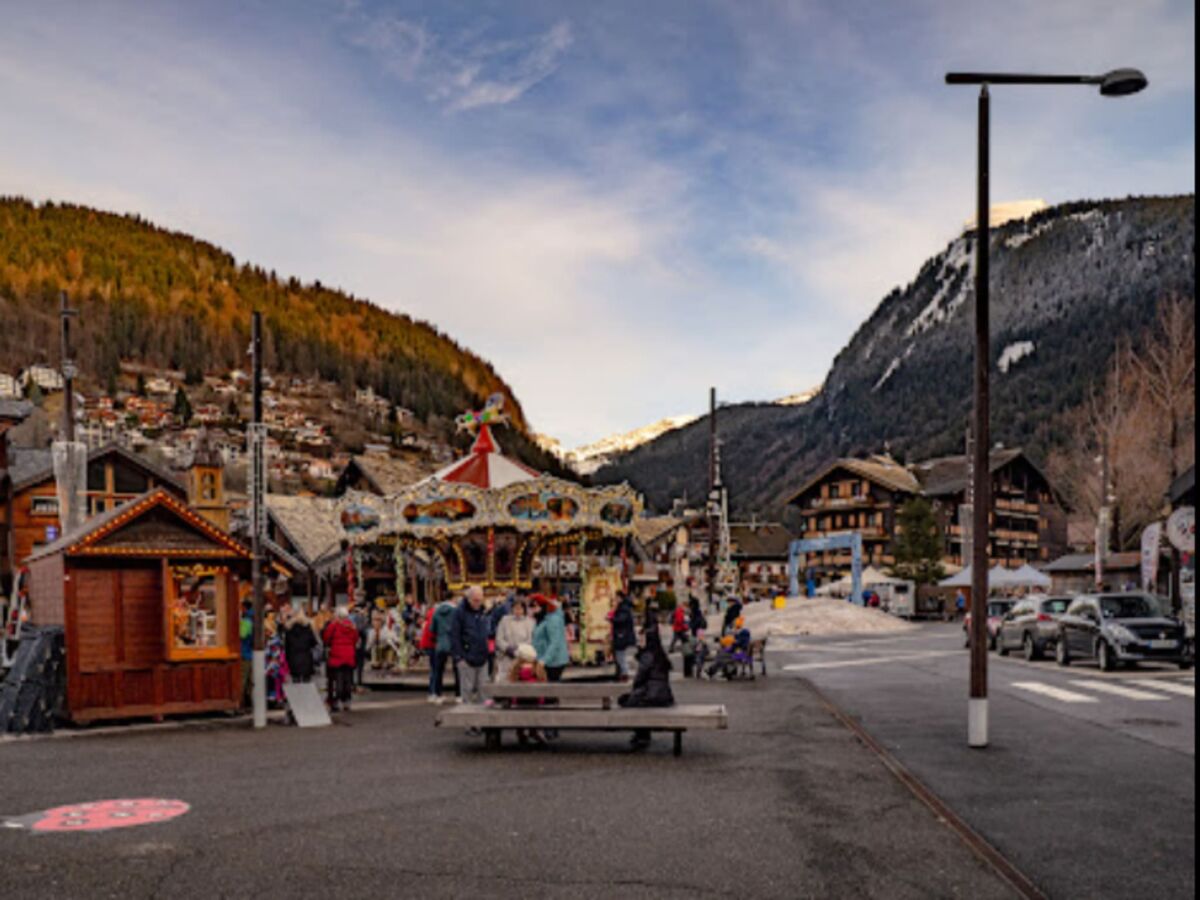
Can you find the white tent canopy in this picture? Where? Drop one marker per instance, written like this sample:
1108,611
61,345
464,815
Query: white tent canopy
1000,577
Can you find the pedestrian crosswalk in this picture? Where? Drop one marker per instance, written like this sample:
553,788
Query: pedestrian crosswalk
1092,690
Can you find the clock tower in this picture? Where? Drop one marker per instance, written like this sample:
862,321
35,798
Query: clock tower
206,482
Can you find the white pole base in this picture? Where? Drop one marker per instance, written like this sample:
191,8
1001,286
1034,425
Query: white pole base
977,722
258,676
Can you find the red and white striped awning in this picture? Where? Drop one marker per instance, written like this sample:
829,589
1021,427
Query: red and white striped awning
485,467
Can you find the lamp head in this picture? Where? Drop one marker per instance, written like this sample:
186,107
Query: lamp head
1120,82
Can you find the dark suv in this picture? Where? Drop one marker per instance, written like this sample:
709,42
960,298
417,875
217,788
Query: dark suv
1032,625
1119,628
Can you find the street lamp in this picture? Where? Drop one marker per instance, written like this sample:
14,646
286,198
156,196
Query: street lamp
1116,83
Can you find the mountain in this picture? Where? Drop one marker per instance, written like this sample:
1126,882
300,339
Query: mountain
166,299
1066,282
587,459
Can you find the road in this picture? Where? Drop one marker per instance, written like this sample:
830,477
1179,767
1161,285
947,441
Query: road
1088,784
787,803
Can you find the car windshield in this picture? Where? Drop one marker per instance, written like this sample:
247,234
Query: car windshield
1129,606
1055,605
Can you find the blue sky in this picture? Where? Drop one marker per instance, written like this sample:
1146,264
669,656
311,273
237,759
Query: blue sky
617,203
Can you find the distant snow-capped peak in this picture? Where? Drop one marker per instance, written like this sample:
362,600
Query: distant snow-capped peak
587,459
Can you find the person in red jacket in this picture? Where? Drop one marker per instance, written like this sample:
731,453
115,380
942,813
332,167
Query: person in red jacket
341,643
679,626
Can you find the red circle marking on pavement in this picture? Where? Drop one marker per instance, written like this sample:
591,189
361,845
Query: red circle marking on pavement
103,815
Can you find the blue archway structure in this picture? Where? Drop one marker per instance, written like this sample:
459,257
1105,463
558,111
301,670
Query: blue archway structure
851,541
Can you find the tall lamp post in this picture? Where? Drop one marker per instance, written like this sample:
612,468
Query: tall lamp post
1116,83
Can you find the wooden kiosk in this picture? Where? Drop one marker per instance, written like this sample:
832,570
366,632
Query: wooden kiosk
147,595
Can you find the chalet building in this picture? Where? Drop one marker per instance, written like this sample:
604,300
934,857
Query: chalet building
1028,525
1076,572
12,413
760,551
10,388
114,476
862,495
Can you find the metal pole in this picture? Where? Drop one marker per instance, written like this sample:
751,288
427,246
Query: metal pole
259,658
977,710
68,370
711,568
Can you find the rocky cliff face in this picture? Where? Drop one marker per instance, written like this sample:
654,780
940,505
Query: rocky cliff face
1066,284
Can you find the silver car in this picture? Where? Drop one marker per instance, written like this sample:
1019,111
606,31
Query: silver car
1032,625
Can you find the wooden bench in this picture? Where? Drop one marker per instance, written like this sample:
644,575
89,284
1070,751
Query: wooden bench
493,720
571,693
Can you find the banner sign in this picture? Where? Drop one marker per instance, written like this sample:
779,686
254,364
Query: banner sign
1151,538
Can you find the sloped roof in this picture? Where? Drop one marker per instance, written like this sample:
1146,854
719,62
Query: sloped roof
648,529
1182,486
38,465
15,410
95,537
765,540
309,524
386,474
882,470
1086,562
948,474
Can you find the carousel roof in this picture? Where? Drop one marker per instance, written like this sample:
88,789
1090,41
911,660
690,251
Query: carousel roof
485,466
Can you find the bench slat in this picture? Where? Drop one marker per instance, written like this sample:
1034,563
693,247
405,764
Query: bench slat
558,690
664,719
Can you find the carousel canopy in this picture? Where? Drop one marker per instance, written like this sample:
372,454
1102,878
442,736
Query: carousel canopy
485,467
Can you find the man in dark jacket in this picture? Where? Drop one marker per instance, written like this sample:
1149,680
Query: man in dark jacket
469,635
624,636
732,613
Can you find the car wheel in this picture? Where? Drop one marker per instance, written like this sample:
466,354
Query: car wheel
1001,647
1032,651
1104,655
1061,655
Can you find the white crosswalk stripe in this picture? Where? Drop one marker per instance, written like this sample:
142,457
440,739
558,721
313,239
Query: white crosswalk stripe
1184,689
1046,690
1119,691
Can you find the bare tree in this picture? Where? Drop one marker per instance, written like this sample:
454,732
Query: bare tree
1166,369
1136,428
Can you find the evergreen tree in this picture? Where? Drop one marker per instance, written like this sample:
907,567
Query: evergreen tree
183,406
918,543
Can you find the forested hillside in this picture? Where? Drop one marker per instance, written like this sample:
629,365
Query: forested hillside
167,299
1067,284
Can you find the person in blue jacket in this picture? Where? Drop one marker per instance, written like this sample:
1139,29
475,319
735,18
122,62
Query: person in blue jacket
470,633
550,642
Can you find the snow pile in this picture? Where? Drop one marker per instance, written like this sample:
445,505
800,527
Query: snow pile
892,367
1013,354
819,616
956,259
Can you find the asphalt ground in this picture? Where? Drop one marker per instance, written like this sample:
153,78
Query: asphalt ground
786,803
1088,784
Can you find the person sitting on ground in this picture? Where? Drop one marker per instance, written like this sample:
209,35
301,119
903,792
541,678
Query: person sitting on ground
527,670
652,685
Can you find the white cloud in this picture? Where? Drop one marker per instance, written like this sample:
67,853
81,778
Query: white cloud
463,71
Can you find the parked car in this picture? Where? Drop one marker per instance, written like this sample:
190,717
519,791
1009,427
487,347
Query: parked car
1032,625
1120,628
997,607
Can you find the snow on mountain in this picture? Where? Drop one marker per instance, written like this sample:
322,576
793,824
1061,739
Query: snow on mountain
798,399
587,459
1013,354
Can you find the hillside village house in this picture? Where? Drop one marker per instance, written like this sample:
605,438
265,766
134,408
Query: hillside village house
760,551
12,413
10,388
45,377
865,495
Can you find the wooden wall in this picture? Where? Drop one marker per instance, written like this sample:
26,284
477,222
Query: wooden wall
116,656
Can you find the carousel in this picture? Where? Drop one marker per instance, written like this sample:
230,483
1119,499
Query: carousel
491,521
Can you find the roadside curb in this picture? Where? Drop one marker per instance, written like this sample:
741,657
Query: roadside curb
993,858
275,717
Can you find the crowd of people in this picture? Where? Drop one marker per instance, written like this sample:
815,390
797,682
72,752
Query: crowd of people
521,637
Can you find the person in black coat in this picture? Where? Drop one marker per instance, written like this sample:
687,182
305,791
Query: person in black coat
299,643
624,635
732,612
652,686
696,619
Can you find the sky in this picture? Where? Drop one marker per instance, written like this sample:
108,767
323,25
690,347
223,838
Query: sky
619,204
